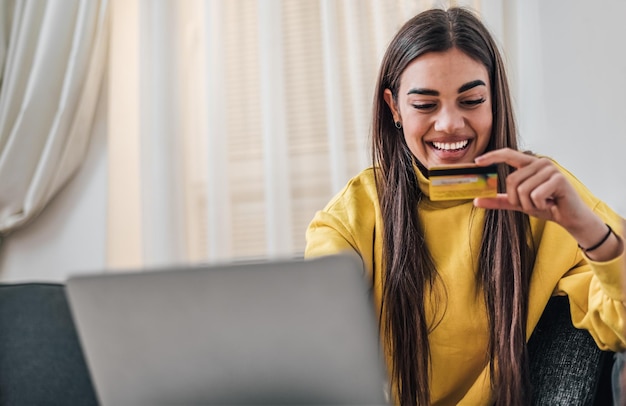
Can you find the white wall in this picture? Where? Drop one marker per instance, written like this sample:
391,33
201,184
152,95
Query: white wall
572,103
70,234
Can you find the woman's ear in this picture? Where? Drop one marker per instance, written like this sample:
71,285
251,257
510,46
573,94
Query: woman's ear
392,105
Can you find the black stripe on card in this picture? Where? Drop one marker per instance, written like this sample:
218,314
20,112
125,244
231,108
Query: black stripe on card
478,170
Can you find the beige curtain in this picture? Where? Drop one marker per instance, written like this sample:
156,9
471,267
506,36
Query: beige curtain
52,59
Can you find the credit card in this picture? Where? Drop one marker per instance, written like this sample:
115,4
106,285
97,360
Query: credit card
462,181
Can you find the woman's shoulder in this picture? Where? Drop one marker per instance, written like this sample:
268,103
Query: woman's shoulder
359,190
364,180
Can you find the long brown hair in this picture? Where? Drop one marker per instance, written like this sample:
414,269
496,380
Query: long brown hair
506,254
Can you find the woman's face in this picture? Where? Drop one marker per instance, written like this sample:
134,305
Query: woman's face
444,105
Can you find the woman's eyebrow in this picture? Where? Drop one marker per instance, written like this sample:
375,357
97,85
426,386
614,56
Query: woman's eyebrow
426,92
470,85
429,92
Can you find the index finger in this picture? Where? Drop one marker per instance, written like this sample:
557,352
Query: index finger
516,159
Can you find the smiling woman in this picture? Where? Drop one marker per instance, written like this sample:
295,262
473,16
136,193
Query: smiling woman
464,282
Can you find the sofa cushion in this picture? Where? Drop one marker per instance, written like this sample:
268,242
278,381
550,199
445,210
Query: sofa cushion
41,362
566,365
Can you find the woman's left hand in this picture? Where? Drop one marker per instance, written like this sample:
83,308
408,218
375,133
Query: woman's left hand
538,188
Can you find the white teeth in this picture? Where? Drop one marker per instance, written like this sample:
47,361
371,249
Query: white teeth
449,146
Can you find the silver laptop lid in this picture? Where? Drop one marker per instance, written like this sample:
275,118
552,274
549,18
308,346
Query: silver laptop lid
277,332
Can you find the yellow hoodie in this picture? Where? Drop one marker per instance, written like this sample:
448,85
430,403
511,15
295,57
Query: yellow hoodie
453,229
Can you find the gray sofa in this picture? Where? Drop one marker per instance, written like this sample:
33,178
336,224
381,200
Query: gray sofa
41,362
567,367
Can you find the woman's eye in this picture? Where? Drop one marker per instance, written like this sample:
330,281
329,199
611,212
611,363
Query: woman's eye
424,106
474,102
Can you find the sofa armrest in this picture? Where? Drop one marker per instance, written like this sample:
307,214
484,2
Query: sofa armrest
566,365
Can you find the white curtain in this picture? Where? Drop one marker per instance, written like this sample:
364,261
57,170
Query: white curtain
253,113
52,60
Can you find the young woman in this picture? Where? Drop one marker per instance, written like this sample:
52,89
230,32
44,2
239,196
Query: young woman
460,285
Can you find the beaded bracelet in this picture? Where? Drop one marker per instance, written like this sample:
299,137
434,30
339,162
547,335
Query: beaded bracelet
602,241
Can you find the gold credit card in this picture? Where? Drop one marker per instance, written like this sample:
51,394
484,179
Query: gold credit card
462,181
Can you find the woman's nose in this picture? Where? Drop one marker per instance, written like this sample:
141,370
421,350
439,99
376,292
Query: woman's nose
449,120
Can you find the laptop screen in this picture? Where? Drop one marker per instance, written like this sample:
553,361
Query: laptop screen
271,332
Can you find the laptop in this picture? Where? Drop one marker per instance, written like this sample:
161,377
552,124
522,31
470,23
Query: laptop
273,332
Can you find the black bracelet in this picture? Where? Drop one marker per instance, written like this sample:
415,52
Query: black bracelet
602,241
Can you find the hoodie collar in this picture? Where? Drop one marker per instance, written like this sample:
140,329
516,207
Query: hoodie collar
424,185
